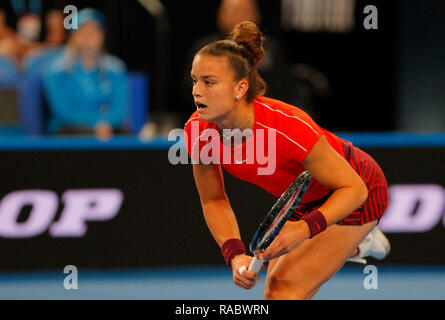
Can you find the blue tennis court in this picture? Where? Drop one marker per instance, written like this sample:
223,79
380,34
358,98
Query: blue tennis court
214,283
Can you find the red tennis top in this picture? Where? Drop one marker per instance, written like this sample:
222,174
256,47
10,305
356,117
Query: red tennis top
271,156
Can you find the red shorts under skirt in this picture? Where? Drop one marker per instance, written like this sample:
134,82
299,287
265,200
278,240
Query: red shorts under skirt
371,173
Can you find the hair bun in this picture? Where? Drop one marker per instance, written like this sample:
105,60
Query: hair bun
249,35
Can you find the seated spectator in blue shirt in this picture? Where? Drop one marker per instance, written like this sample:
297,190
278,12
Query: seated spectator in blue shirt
8,69
86,88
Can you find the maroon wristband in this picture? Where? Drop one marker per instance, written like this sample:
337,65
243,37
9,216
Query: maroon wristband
231,248
316,222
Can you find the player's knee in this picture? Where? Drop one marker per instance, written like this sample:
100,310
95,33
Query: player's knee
312,293
277,289
274,294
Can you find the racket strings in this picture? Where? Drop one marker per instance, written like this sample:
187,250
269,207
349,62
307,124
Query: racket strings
280,213
275,227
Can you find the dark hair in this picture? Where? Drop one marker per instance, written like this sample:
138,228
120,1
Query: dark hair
244,51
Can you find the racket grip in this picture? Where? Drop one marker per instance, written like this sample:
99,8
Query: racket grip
256,265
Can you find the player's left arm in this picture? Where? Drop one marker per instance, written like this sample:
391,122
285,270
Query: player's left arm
333,171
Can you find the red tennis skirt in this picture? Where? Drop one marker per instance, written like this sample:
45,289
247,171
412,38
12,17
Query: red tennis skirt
371,173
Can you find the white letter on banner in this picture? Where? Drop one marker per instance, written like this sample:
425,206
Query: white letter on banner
44,207
402,216
85,205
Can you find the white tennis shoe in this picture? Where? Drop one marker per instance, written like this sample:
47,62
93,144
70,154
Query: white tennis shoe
374,245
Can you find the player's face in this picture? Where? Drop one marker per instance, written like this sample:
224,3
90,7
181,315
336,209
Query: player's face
214,88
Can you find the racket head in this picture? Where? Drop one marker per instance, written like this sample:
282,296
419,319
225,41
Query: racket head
280,212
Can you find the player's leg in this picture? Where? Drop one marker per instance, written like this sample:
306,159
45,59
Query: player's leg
312,293
375,245
300,273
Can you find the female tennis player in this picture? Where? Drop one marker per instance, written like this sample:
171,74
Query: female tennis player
337,217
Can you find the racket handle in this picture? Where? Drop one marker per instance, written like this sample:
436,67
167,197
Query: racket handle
256,265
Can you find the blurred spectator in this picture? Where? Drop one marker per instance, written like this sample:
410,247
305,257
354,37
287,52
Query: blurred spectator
231,12
27,36
36,62
21,44
8,69
7,39
86,88
5,30
55,31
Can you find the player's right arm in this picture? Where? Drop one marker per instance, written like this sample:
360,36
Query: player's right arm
219,216
218,213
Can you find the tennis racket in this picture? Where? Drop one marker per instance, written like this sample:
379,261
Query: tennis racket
277,217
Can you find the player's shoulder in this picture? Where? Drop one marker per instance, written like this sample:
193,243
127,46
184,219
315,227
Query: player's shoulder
280,115
194,120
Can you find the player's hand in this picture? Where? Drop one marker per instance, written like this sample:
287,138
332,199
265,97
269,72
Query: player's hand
290,237
247,279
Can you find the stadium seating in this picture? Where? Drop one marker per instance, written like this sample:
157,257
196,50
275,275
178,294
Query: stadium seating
9,78
31,100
